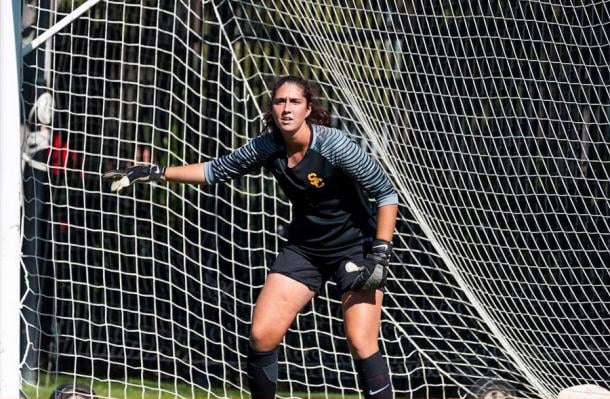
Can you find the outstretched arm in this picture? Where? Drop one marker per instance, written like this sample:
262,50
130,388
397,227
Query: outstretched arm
122,178
193,173
237,163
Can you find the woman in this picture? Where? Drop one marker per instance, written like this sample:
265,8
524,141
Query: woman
334,233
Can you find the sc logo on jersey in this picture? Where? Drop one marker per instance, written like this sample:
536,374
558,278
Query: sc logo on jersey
314,180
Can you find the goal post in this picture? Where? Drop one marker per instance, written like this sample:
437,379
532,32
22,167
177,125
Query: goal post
490,117
10,197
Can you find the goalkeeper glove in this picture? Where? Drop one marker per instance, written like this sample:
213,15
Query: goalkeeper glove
140,173
372,269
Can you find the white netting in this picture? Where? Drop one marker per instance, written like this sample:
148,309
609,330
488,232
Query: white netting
491,117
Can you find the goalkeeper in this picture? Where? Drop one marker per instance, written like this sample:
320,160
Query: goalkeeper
334,232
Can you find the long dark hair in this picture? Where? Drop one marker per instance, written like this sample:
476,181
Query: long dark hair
318,115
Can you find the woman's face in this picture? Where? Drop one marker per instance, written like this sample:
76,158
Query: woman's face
290,108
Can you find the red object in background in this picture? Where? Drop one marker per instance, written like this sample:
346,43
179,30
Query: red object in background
58,155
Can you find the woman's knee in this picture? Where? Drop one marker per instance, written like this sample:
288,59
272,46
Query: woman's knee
362,321
276,307
263,338
362,344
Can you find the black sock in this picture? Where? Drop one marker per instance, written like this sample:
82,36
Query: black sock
374,377
262,373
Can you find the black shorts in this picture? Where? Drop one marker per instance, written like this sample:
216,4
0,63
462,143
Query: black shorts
314,270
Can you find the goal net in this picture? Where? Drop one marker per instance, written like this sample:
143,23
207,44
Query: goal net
490,117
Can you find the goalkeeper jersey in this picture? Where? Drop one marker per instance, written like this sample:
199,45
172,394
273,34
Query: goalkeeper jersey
328,188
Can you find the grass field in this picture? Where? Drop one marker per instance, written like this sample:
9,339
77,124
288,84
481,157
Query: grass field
143,389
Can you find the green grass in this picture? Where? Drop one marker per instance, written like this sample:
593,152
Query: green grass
146,389
132,388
